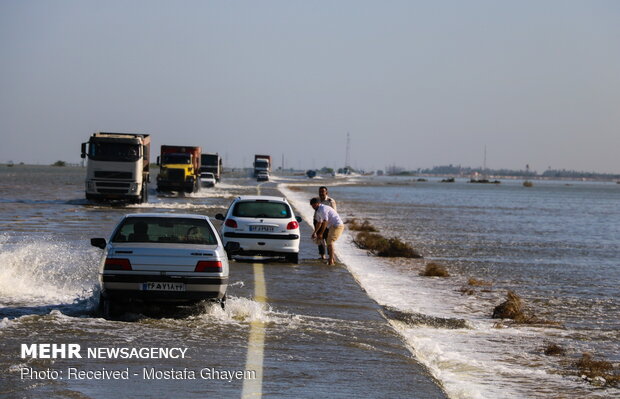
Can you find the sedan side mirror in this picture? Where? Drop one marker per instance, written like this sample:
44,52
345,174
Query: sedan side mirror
98,242
299,219
219,216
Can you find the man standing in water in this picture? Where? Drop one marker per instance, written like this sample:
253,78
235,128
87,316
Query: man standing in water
325,200
327,218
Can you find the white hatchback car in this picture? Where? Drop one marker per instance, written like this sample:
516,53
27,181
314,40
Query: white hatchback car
261,225
162,258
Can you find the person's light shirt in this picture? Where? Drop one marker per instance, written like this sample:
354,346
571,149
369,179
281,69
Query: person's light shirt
326,213
329,201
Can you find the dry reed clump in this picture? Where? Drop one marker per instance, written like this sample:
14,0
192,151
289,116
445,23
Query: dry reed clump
295,188
513,309
554,350
364,226
378,245
435,270
597,372
478,283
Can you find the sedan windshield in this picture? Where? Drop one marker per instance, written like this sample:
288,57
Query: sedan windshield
262,209
168,230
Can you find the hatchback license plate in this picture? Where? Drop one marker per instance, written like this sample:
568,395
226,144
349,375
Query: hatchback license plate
267,229
160,286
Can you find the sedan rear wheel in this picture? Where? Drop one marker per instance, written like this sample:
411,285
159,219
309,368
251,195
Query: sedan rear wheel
107,308
293,258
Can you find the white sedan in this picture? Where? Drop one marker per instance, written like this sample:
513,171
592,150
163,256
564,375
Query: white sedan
161,258
261,225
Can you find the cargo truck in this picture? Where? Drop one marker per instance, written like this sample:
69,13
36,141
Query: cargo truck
262,163
211,163
118,167
179,169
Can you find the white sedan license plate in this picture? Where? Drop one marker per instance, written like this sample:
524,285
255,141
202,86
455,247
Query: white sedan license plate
160,286
265,229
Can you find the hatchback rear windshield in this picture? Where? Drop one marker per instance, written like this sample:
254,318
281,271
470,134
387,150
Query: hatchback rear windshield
262,209
169,230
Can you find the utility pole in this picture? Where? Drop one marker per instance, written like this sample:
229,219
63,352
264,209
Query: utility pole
347,157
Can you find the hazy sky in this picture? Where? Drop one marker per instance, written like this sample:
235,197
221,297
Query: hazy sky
415,83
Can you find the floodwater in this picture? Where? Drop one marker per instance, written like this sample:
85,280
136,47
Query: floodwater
556,245
314,333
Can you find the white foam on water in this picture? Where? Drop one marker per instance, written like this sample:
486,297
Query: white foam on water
172,205
240,311
211,193
476,362
40,271
5,322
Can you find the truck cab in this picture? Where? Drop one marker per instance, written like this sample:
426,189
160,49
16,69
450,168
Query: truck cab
118,167
262,163
179,169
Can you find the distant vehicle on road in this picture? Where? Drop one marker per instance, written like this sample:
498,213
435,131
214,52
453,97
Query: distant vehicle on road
118,167
211,162
262,163
261,225
262,176
179,169
161,258
207,179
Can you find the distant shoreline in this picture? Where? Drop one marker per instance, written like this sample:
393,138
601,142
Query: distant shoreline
579,176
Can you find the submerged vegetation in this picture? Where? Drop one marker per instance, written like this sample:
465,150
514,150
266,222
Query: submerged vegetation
378,245
434,270
554,350
514,309
364,226
478,283
597,372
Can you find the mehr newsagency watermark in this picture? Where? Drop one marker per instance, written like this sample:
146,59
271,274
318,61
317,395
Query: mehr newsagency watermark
75,351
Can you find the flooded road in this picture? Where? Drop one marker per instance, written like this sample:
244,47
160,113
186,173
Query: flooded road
305,330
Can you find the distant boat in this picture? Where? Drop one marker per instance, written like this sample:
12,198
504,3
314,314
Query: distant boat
526,182
481,177
472,180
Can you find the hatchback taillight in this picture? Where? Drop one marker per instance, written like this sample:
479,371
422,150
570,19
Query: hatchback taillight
209,266
117,264
292,225
231,223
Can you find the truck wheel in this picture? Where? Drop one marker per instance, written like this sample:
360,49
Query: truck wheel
144,197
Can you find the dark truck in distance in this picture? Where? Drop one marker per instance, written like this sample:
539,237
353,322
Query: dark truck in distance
118,167
262,163
211,163
179,169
